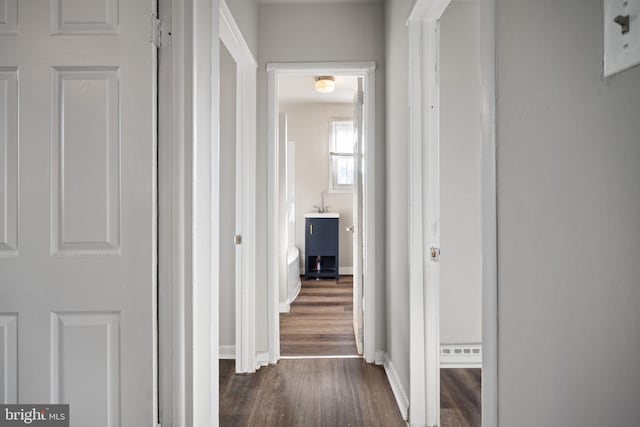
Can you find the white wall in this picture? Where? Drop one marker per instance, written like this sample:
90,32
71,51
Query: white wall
460,269
397,183
308,126
318,32
568,220
227,196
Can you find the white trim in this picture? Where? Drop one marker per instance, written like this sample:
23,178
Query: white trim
380,357
346,271
417,349
262,359
285,307
424,196
337,356
489,215
428,10
402,400
366,70
203,186
308,68
227,352
423,229
370,261
246,65
273,239
461,355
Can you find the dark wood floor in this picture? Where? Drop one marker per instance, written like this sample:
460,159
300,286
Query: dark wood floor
334,392
460,398
330,392
320,322
308,393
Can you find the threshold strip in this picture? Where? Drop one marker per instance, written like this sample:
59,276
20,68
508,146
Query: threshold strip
355,356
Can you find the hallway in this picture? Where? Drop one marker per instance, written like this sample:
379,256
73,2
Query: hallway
309,392
334,392
320,322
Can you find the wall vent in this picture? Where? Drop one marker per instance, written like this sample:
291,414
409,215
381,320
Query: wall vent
461,355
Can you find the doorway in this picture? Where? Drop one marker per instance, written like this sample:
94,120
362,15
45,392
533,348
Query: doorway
236,196
431,97
319,206
363,231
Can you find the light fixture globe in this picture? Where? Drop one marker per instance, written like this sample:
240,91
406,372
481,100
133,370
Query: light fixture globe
325,84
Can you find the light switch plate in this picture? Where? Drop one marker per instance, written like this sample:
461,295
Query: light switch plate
621,51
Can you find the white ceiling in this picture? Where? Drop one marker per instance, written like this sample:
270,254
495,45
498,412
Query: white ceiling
300,89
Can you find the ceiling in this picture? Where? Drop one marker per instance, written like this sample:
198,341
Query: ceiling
300,89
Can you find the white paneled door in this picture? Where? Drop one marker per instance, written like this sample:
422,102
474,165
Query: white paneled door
77,208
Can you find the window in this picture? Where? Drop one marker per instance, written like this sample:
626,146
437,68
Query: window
341,144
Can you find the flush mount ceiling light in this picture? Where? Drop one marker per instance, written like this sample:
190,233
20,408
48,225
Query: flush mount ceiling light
325,84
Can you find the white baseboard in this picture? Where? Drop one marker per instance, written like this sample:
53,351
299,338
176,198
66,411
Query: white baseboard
262,359
284,307
461,355
399,392
347,271
227,352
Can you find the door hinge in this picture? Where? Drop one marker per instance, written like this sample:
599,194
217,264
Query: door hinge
361,98
435,254
238,239
160,31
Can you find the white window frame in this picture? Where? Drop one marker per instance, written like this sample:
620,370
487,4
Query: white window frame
333,187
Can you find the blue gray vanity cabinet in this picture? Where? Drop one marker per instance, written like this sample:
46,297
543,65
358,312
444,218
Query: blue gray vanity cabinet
321,247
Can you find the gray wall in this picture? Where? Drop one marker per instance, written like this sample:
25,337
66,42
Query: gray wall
568,221
460,271
397,183
318,32
227,196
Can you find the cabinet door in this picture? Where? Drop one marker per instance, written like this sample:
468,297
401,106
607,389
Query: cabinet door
323,236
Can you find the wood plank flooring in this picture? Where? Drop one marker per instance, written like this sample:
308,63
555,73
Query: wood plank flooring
334,392
330,392
320,322
308,393
460,397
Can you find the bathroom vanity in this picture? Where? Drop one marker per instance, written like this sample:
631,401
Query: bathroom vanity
321,245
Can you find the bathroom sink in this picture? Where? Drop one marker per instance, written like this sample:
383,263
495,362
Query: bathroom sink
322,215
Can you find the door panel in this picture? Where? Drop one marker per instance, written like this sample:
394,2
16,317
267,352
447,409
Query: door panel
78,241
8,161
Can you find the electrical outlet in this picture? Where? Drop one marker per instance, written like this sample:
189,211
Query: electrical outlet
621,35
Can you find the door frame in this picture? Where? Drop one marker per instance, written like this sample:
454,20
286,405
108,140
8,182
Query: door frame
424,100
276,260
190,204
246,80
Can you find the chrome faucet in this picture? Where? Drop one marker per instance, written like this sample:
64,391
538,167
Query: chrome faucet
323,208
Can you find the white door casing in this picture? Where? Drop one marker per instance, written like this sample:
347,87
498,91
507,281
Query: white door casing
424,228
245,179
358,305
368,217
78,250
